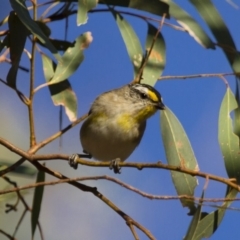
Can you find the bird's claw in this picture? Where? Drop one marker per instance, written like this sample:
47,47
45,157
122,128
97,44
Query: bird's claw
73,159
115,165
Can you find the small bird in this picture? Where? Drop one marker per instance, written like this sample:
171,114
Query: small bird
117,120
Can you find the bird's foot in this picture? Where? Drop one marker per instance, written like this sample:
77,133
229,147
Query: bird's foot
73,159
115,165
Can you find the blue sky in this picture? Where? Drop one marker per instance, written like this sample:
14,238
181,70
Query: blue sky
71,214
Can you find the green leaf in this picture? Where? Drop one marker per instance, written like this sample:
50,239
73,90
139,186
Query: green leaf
22,170
61,93
229,142
157,59
18,34
46,30
209,224
152,6
237,112
179,153
131,41
23,14
61,45
219,29
195,220
37,201
188,23
83,7
72,58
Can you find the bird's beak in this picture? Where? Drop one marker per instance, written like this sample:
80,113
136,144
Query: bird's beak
160,106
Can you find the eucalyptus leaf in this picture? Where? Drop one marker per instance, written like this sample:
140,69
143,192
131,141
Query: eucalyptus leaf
228,140
210,223
18,34
219,29
37,201
83,7
72,58
179,153
61,93
189,23
23,14
157,59
131,41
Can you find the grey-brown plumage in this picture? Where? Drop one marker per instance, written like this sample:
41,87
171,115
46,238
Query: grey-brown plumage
117,121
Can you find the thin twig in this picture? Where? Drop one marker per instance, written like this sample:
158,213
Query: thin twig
122,184
140,72
40,230
33,158
20,197
49,8
198,76
39,145
7,235
20,221
133,231
24,99
58,134
32,78
96,193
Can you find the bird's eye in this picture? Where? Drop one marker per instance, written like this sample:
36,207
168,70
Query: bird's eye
143,95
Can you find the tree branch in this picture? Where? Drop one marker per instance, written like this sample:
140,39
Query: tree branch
198,76
122,184
34,158
99,195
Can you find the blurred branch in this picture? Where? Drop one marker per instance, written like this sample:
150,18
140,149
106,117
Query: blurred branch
14,207
7,235
32,77
24,99
122,184
140,16
99,195
38,146
198,76
133,231
82,187
61,16
58,134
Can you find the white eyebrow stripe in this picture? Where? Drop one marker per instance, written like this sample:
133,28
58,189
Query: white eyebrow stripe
142,89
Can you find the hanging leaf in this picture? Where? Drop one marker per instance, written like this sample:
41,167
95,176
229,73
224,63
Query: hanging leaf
131,41
210,222
37,201
72,58
157,59
188,23
179,153
219,29
20,8
237,112
83,7
152,6
61,93
229,142
18,34
195,221
61,45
